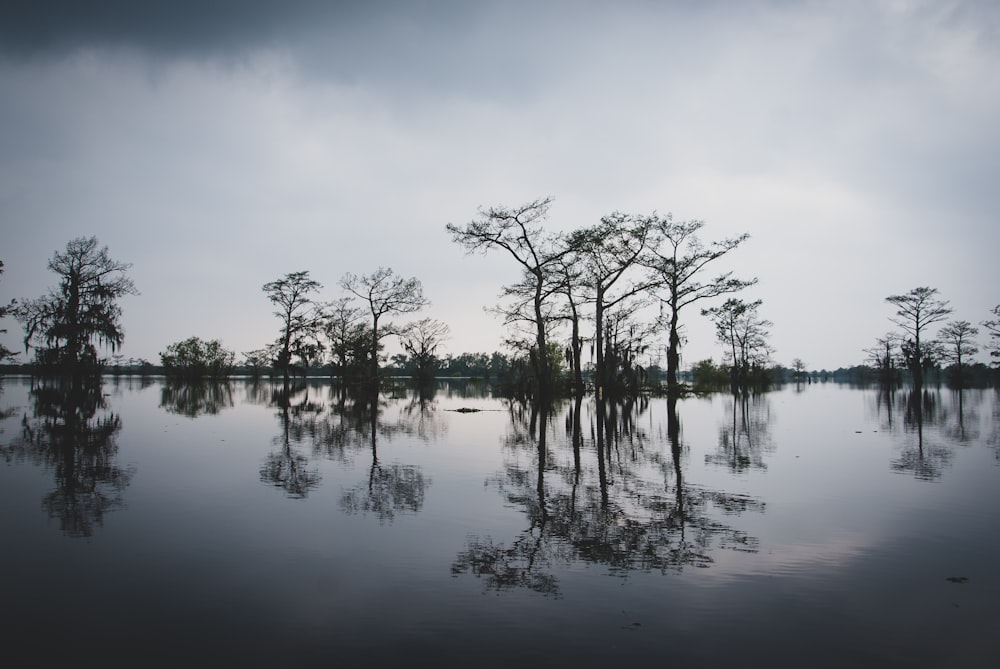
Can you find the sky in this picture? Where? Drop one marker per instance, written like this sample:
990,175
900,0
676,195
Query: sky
217,146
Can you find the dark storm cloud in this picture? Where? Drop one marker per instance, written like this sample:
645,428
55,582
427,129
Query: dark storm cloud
35,27
426,46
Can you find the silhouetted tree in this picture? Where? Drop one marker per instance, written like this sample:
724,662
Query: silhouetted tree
65,324
681,260
744,333
519,231
301,318
707,375
624,342
257,359
607,252
956,337
385,294
798,369
6,353
568,274
918,309
348,337
195,358
881,355
309,352
421,340
993,328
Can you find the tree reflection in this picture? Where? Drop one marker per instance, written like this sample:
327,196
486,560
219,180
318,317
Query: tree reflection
629,508
72,432
885,400
341,427
286,467
961,425
745,437
391,489
924,458
994,438
420,415
196,398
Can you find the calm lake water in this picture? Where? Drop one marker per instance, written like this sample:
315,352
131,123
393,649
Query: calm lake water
814,526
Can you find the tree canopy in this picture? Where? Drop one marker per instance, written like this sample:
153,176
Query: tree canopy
6,353
66,325
384,293
195,358
916,310
301,318
521,233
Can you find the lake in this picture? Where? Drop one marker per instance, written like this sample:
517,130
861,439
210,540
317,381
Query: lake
151,524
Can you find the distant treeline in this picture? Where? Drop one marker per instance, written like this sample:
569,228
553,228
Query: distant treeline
497,368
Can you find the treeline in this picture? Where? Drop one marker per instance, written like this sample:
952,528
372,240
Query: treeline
612,289
584,312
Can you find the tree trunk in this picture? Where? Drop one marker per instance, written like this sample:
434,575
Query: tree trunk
602,376
542,358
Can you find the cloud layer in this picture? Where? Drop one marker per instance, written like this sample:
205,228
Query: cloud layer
219,149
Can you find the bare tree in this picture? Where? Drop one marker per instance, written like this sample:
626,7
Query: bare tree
681,260
385,293
519,231
957,338
6,353
348,337
625,340
568,279
421,340
916,310
608,251
993,328
256,359
799,369
301,317
65,324
744,333
881,355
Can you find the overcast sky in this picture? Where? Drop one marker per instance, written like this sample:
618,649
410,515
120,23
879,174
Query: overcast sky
220,145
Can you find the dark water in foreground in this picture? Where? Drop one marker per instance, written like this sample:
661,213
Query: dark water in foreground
822,526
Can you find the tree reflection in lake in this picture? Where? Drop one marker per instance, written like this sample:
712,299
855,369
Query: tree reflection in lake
628,508
885,406
745,437
923,456
994,438
196,398
286,467
391,488
961,425
341,426
72,431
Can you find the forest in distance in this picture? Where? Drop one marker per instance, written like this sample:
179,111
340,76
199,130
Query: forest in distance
599,309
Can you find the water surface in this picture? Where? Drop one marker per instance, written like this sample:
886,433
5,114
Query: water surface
155,524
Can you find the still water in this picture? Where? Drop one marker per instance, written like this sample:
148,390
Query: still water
148,524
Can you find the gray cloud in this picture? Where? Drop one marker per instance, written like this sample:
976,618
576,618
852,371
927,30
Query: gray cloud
217,149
